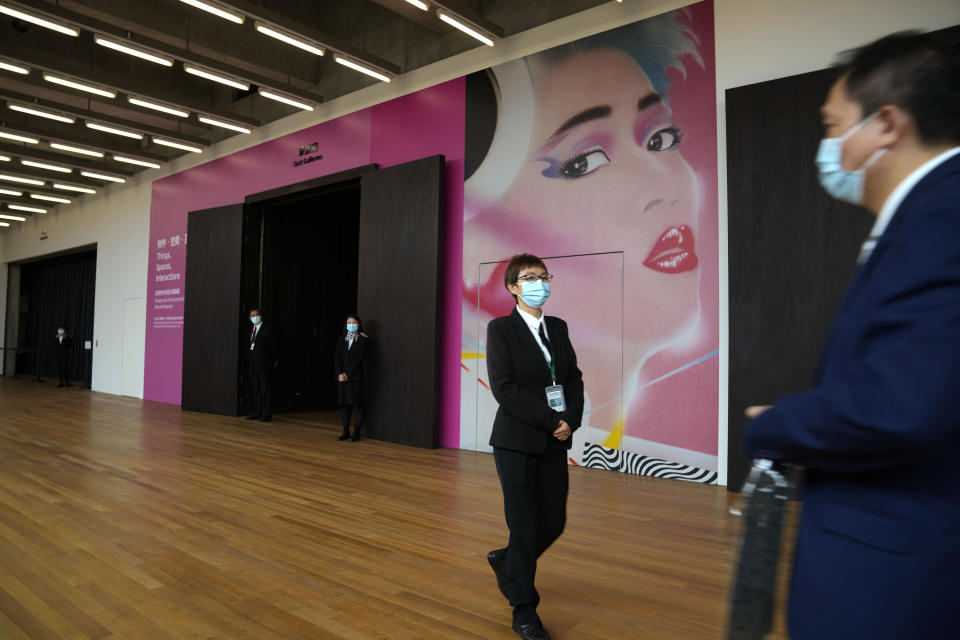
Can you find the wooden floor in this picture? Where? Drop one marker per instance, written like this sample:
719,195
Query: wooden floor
129,519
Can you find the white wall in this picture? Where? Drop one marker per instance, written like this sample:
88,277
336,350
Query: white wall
759,40
756,40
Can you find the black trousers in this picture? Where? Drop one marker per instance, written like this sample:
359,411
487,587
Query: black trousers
535,504
262,382
63,370
358,423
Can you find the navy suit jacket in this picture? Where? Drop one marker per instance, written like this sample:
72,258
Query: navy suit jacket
878,551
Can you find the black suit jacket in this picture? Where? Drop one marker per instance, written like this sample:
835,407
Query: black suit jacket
265,348
61,350
519,374
350,361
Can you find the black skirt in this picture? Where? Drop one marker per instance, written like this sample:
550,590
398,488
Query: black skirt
350,393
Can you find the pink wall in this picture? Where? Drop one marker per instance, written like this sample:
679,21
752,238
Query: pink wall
422,124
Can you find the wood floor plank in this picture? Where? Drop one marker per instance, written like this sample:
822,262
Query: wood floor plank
134,520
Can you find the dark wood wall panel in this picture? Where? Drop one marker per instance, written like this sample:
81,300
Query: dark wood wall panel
211,317
401,232
792,248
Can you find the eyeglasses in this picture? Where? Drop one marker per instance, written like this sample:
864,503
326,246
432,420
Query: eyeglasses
532,277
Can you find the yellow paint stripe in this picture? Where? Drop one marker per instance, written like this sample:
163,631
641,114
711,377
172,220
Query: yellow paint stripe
615,438
472,355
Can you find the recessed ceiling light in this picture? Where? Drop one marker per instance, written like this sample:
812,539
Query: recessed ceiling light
292,39
79,86
273,95
136,161
20,207
177,145
80,150
59,27
115,130
156,106
4,224
462,26
44,165
216,9
102,176
4,158
59,117
419,4
39,196
11,192
18,138
70,187
132,49
8,65
356,67
21,180
216,76
223,124
9,217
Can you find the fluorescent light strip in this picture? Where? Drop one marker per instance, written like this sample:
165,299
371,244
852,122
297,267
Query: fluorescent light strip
158,107
70,187
20,207
223,124
357,67
106,93
102,176
44,165
17,218
216,77
81,151
4,158
130,50
115,131
141,163
18,138
11,192
177,145
4,224
43,114
37,196
273,32
15,68
21,180
284,99
37,20
419,4
216,10
470,31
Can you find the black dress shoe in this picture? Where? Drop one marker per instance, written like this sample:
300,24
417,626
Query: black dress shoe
531,631
355,436
267,419
498,559
68,384
252,418
344,436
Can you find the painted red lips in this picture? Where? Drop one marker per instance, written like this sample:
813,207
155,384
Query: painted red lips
673,252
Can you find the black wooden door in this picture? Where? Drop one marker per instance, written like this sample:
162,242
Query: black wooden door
211,315
401,232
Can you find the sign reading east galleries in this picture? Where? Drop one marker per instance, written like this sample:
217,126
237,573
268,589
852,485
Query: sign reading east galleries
307,150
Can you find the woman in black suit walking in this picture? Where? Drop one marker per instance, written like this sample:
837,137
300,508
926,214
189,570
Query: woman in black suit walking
348,367
534,377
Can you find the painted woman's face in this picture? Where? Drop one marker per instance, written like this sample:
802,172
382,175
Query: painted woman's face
604,173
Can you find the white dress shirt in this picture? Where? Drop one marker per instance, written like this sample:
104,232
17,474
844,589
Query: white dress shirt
896,198
534,324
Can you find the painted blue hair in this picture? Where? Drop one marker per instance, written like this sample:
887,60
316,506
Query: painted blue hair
657,44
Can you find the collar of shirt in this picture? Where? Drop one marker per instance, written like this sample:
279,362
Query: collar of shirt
896,198
534,325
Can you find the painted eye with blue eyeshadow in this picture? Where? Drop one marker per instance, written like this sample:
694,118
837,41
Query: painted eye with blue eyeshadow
580,165
664,139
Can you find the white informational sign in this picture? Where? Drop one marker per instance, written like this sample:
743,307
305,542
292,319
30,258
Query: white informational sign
87,345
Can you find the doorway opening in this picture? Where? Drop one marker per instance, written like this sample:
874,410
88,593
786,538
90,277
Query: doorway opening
307,284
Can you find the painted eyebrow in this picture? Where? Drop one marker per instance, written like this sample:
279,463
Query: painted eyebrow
603,111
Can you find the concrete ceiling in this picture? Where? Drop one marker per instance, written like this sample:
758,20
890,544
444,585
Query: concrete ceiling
390,37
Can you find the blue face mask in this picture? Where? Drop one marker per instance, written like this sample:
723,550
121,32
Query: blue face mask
534,293
352,328
837,181
255,319
60,332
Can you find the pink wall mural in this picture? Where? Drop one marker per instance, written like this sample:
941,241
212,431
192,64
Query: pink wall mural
422,124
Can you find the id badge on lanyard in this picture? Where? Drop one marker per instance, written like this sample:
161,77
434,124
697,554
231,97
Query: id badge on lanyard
555,398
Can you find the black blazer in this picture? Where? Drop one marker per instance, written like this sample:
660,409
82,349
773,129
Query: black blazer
519,374
61,350
350,361
265,349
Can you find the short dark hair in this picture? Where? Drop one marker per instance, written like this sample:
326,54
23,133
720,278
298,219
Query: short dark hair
517,264
62,326
252,309
912,71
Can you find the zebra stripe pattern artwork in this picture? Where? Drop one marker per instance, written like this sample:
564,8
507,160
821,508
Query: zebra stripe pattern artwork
599,457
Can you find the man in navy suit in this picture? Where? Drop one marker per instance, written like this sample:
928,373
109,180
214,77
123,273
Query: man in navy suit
878,551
